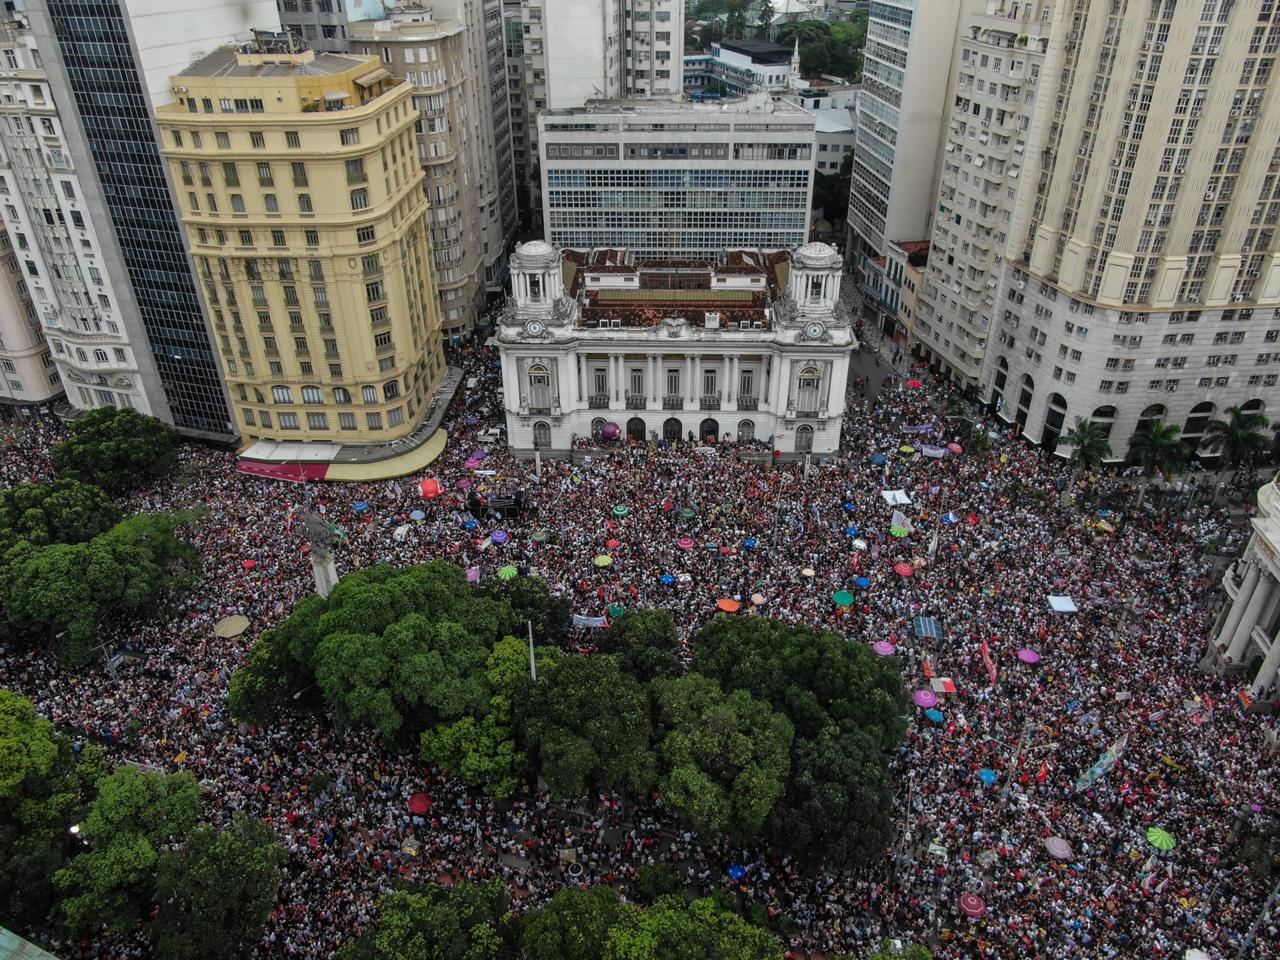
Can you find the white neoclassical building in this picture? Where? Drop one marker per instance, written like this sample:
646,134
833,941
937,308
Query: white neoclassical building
755,347
1245,636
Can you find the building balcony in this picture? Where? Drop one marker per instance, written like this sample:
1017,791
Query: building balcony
383,349
710,402
672,403
748,403
598,401
637,401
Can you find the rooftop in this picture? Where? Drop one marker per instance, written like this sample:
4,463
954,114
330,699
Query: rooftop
247,60
760,51
756,103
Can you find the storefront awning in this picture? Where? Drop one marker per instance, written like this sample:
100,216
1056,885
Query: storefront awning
369,79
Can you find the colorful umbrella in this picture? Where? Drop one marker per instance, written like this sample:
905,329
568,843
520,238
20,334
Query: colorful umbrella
419,803
851,530
1058,848
1161,839
955,448
878,458
987,776
728,605
471,464
429,488
863,582
842,598
883,647
612,544
934,714
464,483
925,698
971,905
603,560
913,384
248,564
417,515
668,579
688,512
758,599
610,431
1027,655
850,505
470,524
499,536
903,569
906,448
509,572
736,871
539,536
620,510
615,609
478,454
685,543
899,531
360,506
859,544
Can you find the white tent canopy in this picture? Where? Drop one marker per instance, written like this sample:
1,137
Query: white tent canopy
1061,604
895,498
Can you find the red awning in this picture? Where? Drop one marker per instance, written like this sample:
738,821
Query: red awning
295,472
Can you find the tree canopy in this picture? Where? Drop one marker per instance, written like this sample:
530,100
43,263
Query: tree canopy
64,511
1239,439
846,706
573,926
675,929
645,643
116,449
826,48
466,921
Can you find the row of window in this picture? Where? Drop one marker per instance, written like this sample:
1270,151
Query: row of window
279,238
320,421
347,137
341,395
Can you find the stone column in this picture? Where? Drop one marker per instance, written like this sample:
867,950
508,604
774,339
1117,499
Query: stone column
1267,672
1257,600
1242,600
730,380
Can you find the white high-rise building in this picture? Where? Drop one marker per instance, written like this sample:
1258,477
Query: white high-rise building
1140,277
901,119
683,181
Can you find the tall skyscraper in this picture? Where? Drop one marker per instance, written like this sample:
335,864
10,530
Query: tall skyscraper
301,193
1141,276
469,176
678,180
900,120
108,65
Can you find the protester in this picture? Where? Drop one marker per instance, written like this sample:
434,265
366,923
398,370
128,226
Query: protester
1123,667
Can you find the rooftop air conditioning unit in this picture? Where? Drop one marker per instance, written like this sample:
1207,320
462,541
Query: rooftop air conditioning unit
712,320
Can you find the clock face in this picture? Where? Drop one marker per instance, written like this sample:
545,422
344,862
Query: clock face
535,328
814,330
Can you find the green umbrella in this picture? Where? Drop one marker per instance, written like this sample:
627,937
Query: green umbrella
1160,839
688,512
899,531
615,609
842,597
509,572
621,510
905,448
603,560
540,536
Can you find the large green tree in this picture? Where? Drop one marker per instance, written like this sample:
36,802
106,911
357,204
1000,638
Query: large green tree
216,892
590,725
645,643
675,929
533,603
133,816
847,707
117,450
28,748
725,756
64,511
467,921
575,925
1240,439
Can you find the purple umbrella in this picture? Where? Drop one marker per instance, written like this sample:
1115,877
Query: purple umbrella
478,455
925,698
464,483
499,536
1027,655
882,647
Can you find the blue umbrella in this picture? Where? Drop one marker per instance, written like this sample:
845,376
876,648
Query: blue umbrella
360,506
668,579
1104,513
848,505
950,518
934,714
863,582
417,515
749,542
851,529
988,777
736,871
470,524
878,458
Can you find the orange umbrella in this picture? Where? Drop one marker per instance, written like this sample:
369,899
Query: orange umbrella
728,604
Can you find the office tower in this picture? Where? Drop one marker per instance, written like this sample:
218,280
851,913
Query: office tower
901,117
1141,277
599,343
496,131
108,66
435,50
678,180
320,24
606,49
301,193
520,119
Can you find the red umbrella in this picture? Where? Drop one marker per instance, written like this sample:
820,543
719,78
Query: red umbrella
612,544
419,803
913,383
430,488
248,564
903,569
971,905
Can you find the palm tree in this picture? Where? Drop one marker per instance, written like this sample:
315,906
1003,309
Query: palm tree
1239,439
1090,447
1158,447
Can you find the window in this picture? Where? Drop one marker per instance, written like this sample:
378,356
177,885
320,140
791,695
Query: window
370,394
374,420
807,396
349,136
317,421
360,199
365,235
291,139
347,421
341,395
282,395
395,416
540,387
257,139
288,421
312,237
312,395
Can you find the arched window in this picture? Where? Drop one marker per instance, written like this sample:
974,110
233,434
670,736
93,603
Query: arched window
542,435
804,438
282,395
1104,417
746,431
1197,421
597,428
81,355
1053,420
341,395
539,387
809,383
100,356
672,430
312,395
1253,406
1154,412
370,394
1024,399
636,429
391,389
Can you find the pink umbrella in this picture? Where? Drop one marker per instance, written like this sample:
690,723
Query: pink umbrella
955,448
925,698
972,906
685,543
464,483
903,569
1027,655
883,647
1058,848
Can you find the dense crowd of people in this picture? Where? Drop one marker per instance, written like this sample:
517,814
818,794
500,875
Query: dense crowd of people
983,780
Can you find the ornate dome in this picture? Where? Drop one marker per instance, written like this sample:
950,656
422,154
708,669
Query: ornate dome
817,256
536,254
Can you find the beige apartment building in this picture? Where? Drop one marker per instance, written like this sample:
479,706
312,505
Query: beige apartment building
300,189
440,50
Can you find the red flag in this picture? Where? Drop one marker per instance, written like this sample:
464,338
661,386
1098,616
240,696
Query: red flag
986,659
1043,775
